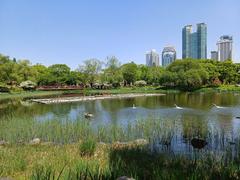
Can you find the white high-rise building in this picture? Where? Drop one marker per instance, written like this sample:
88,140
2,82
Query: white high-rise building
225,48
152,58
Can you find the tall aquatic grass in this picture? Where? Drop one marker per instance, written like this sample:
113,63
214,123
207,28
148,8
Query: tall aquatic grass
160,133
15,129
156,161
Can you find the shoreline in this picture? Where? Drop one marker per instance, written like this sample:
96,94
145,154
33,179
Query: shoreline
92,98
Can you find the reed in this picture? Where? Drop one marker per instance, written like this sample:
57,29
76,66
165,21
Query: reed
72,144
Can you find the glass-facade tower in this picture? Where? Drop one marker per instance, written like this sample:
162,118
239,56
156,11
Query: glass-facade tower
168,56
186,41
202,41
194,44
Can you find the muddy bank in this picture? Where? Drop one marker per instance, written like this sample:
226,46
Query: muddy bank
89,98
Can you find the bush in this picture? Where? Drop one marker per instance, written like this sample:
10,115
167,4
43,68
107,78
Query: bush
216,82
16,89
28,85
87,147
4,88
140,83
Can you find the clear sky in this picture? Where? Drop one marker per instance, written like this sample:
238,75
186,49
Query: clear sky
71,31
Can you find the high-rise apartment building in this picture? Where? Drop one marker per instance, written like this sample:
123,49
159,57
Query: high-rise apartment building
168,56
225,48
194,44
152,58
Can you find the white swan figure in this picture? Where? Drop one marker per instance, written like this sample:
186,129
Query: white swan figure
177,107
217,106
134,107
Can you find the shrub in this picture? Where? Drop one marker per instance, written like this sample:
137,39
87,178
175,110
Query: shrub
216,82
4,88
28,85
87,147
140,83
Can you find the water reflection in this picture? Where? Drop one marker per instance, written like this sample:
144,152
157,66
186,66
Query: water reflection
196,119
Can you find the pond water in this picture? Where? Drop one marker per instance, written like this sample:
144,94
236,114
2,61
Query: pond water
196,115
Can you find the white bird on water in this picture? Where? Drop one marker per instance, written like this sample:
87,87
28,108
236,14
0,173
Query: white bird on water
177,107
134,107
217,106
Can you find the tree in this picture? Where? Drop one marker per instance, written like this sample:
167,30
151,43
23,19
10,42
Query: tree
191,79
112,63
91,70
130,73
42,74
74,78
185,74
112,73
25,71
229,72
168,79
58,73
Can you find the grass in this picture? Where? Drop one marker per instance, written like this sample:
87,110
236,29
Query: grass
73,150
29,94
222,88
123,90
110,162
87,147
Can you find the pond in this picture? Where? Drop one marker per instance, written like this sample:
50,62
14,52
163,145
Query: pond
195,115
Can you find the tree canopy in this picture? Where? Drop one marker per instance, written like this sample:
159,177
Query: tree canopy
186,74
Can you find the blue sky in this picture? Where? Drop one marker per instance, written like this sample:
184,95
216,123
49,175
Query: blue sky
71,31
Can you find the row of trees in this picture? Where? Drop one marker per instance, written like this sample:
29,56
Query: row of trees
184,74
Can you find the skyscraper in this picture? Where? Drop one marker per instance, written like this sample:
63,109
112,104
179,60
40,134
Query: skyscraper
202,41
194,44
186,41
225,48
214,55
168,56
152,58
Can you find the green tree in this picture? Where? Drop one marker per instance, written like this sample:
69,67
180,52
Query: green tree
112,74
58,74
42,74
190,74
91,70
25,71
168,79
130,73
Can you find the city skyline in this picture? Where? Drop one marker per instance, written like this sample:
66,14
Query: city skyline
62,32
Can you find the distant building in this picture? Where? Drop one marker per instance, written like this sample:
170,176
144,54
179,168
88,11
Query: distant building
214,55
194,44
152,58
186,41
168,56
225,48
